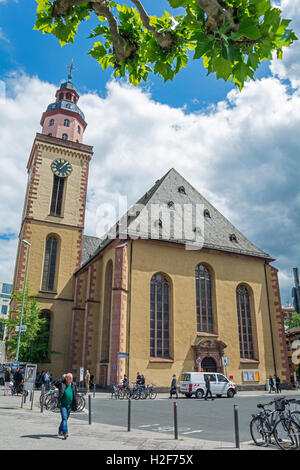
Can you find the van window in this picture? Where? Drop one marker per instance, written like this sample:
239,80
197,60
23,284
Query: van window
221,378
185,377
212,377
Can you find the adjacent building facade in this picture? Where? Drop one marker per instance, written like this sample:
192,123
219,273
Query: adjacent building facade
174,284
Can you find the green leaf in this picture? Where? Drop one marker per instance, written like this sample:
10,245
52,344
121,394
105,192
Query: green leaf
248,28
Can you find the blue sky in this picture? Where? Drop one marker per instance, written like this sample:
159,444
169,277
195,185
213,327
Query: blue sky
34,53
239,149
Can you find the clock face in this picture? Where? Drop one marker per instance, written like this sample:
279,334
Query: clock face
61,167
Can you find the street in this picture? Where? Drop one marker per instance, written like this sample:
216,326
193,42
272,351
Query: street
208,420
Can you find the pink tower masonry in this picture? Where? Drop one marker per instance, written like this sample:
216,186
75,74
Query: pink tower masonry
64,119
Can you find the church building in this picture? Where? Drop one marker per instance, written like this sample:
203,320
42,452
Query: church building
173,287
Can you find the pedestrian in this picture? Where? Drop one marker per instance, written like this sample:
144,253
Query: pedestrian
208,389
7,380
87,380
67,399
173,389
42,379
92,381
271,384
18,377
142,381
47,380
138,378
277,383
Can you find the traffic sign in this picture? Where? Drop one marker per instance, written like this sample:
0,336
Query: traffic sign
198,360
123,355
225,360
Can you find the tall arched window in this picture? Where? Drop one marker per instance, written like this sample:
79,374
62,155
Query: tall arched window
107,313
50,263
244,322
67,122
159,317
51,123
57,196
204,309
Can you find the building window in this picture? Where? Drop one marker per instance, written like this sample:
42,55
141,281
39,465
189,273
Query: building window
244,322
67,123
50,264
159,317
61,96
78,129
51,123
4,309
64,137
6,288
204,300
57,196
68,96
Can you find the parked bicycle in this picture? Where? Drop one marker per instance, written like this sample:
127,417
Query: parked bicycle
149,392
281,423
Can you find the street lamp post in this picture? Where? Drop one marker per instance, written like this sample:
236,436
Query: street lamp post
23,298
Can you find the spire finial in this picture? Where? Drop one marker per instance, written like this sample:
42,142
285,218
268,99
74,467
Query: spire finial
71,68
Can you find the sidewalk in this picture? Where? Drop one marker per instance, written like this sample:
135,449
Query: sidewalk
24,429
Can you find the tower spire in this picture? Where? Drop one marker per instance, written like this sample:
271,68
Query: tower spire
71,68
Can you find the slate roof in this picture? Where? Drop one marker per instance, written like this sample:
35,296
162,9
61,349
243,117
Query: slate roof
171,201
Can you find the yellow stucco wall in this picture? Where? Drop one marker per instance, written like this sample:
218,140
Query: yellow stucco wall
179,265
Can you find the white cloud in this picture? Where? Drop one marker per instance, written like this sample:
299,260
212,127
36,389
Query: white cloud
289,67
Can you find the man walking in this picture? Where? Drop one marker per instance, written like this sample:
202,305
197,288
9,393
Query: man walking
271,384
277,383
173,389
68,400
208,390
87,380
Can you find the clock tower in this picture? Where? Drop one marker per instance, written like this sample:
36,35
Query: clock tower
53,217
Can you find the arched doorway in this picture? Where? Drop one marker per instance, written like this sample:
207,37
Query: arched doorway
208,364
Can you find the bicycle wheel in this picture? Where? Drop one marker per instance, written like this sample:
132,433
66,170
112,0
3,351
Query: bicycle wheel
152,395
81,403
259,431
122,394
296,416
286,433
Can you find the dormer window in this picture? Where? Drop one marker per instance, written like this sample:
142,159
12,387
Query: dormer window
68,106
51,123
181,190
64,137
171,205
232,238
207,213
67,123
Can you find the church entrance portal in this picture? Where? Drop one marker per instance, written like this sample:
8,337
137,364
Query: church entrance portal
208,364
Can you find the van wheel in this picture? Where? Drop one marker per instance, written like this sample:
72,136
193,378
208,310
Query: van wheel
230,393
188,395
199,393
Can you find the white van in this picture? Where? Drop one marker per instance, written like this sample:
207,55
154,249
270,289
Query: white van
193,383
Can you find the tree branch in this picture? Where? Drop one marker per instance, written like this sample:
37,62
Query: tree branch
122,48
217,11
166,39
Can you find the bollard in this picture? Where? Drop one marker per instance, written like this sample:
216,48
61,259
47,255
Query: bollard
25,395
236,426
175,421
32,396
22,400
129,414
94,393
42,400
90,409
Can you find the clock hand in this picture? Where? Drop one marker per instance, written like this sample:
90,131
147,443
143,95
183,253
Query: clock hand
63,166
